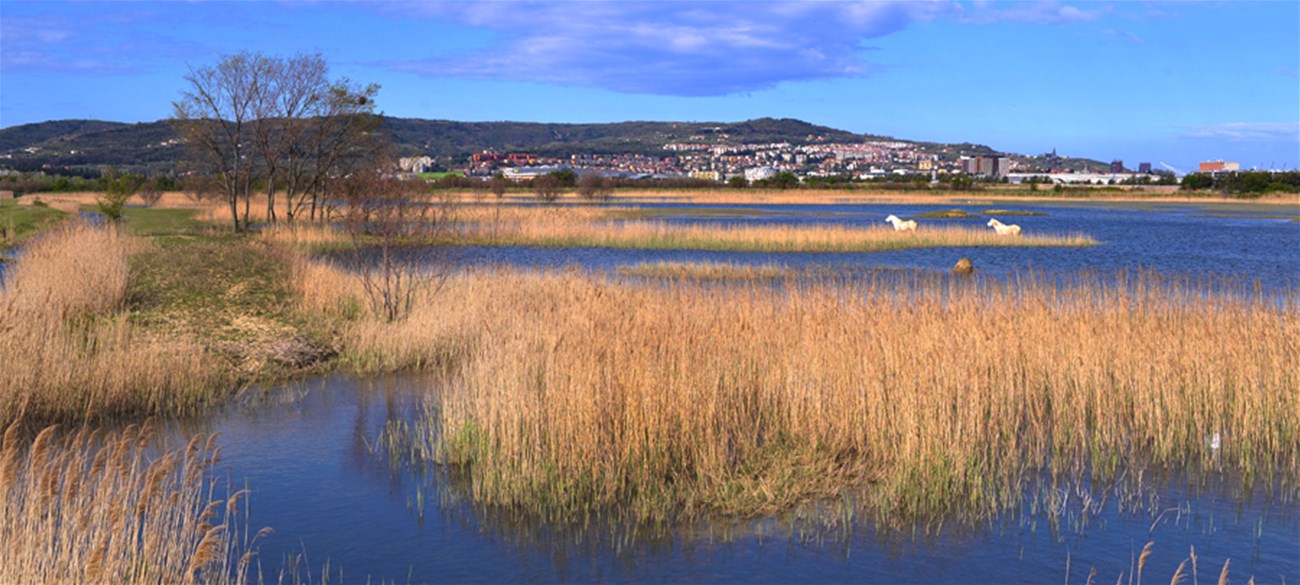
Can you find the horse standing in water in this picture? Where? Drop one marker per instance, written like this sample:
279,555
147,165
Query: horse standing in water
900,225
1003,229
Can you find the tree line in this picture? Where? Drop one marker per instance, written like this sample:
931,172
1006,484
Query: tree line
1244,183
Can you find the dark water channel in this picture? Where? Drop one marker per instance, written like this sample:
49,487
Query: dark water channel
307,452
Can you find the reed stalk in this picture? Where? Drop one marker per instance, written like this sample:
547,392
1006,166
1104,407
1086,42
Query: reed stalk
94,506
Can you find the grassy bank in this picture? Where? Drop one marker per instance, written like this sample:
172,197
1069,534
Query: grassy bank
725,271
570,394
570,227
19,222
68,344
164,316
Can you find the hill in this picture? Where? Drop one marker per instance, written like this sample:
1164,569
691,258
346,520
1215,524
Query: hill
152,146
26,135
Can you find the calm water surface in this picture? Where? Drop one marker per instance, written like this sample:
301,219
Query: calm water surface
306,452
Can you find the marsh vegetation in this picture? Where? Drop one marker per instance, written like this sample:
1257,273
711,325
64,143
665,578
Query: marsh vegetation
692,391
932,397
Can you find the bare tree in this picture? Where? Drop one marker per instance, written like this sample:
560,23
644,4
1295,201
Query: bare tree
547,187
292,88
394,231
340,139
214,117
498,186
595,187
278,120
150,191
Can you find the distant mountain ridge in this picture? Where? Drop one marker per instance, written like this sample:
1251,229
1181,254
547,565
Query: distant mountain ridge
152,146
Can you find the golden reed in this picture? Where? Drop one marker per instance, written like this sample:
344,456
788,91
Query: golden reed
69,350
93,506
569,392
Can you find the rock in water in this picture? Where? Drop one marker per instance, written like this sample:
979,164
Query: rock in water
964,266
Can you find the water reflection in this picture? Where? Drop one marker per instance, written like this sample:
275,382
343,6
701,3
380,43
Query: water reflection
311,454
1256,250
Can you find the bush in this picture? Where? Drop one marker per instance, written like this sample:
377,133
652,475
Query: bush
547,188
151,191
119,189
595,188
1197,181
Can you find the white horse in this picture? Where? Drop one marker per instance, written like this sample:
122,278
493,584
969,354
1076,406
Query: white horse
1003,229
900,225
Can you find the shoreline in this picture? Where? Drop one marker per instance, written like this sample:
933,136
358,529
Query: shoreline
176,199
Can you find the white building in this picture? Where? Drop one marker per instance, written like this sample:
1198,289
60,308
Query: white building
415,164
759,173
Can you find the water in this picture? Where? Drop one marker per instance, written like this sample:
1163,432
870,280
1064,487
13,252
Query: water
305,451
1181,239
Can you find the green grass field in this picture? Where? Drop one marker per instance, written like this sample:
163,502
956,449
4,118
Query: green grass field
18,222
435,176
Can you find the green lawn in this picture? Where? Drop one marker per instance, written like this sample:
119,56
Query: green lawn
435,176
18,222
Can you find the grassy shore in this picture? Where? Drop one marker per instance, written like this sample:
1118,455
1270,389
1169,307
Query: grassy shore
767,272
70,349
570,394
19,222
163,316
594,227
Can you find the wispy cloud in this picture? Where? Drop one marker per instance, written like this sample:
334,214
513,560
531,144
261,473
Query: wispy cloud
673,48
1123,35
105,45
696,48
1247,131
984,12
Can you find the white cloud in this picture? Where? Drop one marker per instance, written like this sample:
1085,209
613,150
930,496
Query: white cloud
1028,13
1247,131
675,48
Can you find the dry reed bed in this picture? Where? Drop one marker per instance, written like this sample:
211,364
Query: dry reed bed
719,271
70,353
566,226
708,271
559,232
94,507
569,393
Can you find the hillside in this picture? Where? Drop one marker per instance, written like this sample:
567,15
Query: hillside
151,147
32,134
444,138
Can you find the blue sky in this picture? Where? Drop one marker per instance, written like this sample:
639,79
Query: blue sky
1178,82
